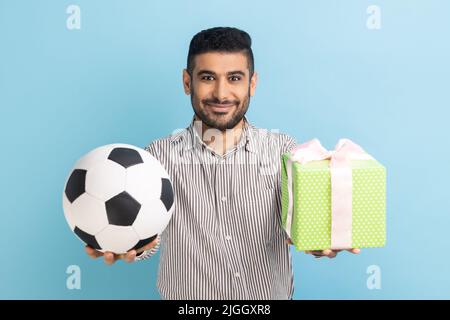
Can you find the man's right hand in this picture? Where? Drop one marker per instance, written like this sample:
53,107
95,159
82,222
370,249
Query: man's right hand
110,257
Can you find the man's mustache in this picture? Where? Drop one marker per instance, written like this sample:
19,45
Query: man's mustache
218,102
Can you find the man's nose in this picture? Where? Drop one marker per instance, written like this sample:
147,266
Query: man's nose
221,90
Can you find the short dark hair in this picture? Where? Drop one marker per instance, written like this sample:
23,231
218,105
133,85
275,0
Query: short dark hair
221,39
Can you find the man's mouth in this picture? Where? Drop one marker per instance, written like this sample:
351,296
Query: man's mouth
221,108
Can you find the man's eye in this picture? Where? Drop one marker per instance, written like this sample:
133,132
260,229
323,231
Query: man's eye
235,78
207,78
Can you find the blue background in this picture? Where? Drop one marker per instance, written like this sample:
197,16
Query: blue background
322,73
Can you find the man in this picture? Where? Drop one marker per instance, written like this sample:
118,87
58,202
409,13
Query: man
225,239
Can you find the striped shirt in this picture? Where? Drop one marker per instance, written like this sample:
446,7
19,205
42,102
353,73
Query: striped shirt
224,240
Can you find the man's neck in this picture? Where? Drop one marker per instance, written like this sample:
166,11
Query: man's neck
219,140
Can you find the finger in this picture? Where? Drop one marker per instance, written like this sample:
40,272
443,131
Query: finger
109,258
354,250
314,253
317,254
130,256
327,252
92,252
332,255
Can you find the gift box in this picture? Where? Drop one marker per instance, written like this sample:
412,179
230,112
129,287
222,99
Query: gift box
333,199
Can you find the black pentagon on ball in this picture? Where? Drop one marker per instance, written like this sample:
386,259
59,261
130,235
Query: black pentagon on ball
126,157
143,243
166,193
122,209
75,186
87,238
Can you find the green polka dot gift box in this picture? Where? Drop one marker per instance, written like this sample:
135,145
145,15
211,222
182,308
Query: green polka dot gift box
333,199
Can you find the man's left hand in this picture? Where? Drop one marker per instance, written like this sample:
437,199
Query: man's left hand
327,252
330,253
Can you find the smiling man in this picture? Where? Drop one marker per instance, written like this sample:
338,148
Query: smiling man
225,239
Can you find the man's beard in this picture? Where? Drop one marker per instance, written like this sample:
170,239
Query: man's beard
237,116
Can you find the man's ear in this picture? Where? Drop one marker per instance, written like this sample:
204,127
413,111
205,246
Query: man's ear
253,81
186,82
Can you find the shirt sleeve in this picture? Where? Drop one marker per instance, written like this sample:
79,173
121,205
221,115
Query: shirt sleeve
149,253
153,150
288,143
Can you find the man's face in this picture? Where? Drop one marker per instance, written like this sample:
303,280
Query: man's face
220,88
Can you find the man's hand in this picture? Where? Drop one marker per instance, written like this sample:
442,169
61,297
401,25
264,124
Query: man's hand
327,252
110,258
330,253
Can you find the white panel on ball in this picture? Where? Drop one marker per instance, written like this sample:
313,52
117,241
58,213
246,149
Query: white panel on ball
152,219
105,180
144,182
149,159
117,239
89,214
93,157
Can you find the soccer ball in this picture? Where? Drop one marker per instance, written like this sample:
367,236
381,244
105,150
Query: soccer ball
118,197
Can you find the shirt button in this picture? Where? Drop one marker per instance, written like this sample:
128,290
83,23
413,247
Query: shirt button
228,238
237,275
223,199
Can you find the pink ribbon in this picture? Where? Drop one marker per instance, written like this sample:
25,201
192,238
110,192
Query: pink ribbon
341,184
